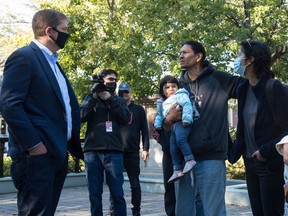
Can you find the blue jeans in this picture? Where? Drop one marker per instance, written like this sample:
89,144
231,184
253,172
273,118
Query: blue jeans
199,205
179,146
39,181
209,178
265,188
112,163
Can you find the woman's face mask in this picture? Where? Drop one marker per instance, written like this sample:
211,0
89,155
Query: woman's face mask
238,68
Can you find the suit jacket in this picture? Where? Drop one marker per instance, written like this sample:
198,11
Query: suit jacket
32,105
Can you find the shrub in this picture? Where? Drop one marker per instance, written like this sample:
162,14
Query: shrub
73,165
7,164
237,170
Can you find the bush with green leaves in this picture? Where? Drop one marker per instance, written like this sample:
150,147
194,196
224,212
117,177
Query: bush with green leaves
74,165
7,164
236,170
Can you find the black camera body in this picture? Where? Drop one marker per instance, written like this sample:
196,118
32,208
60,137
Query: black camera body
99,85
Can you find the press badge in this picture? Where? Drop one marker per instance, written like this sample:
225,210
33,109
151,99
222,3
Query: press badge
108,125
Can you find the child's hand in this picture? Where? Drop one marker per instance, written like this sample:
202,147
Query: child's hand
185,124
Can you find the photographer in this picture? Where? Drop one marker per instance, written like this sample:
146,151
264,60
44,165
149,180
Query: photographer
103,150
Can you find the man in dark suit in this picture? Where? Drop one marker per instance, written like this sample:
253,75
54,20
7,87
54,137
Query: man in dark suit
43,116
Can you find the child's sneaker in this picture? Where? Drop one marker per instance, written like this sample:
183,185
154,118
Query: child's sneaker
176,175
188,166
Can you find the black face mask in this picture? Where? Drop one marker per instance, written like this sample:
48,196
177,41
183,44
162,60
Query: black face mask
110,87
61,39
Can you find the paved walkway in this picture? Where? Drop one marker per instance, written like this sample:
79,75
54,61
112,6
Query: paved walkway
74,201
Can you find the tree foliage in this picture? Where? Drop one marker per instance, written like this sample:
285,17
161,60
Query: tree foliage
141,38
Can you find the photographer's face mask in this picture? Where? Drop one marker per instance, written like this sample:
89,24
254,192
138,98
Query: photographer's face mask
111,87
61,39
110,83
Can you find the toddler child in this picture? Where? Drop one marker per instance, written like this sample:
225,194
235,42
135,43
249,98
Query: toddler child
179,146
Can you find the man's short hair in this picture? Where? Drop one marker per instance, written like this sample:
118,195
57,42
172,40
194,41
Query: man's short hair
107,72
197,47
45,18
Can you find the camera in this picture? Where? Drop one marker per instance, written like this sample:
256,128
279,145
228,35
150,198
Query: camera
99,85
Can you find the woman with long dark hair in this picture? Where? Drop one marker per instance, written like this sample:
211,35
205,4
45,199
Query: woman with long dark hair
262,122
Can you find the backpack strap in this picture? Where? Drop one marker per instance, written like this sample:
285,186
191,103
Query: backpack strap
269,95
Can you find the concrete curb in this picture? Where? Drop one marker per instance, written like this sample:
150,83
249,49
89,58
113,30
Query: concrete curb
6,185
72,180
237,195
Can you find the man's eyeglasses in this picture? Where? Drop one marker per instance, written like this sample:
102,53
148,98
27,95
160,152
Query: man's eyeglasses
126,91
111,79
